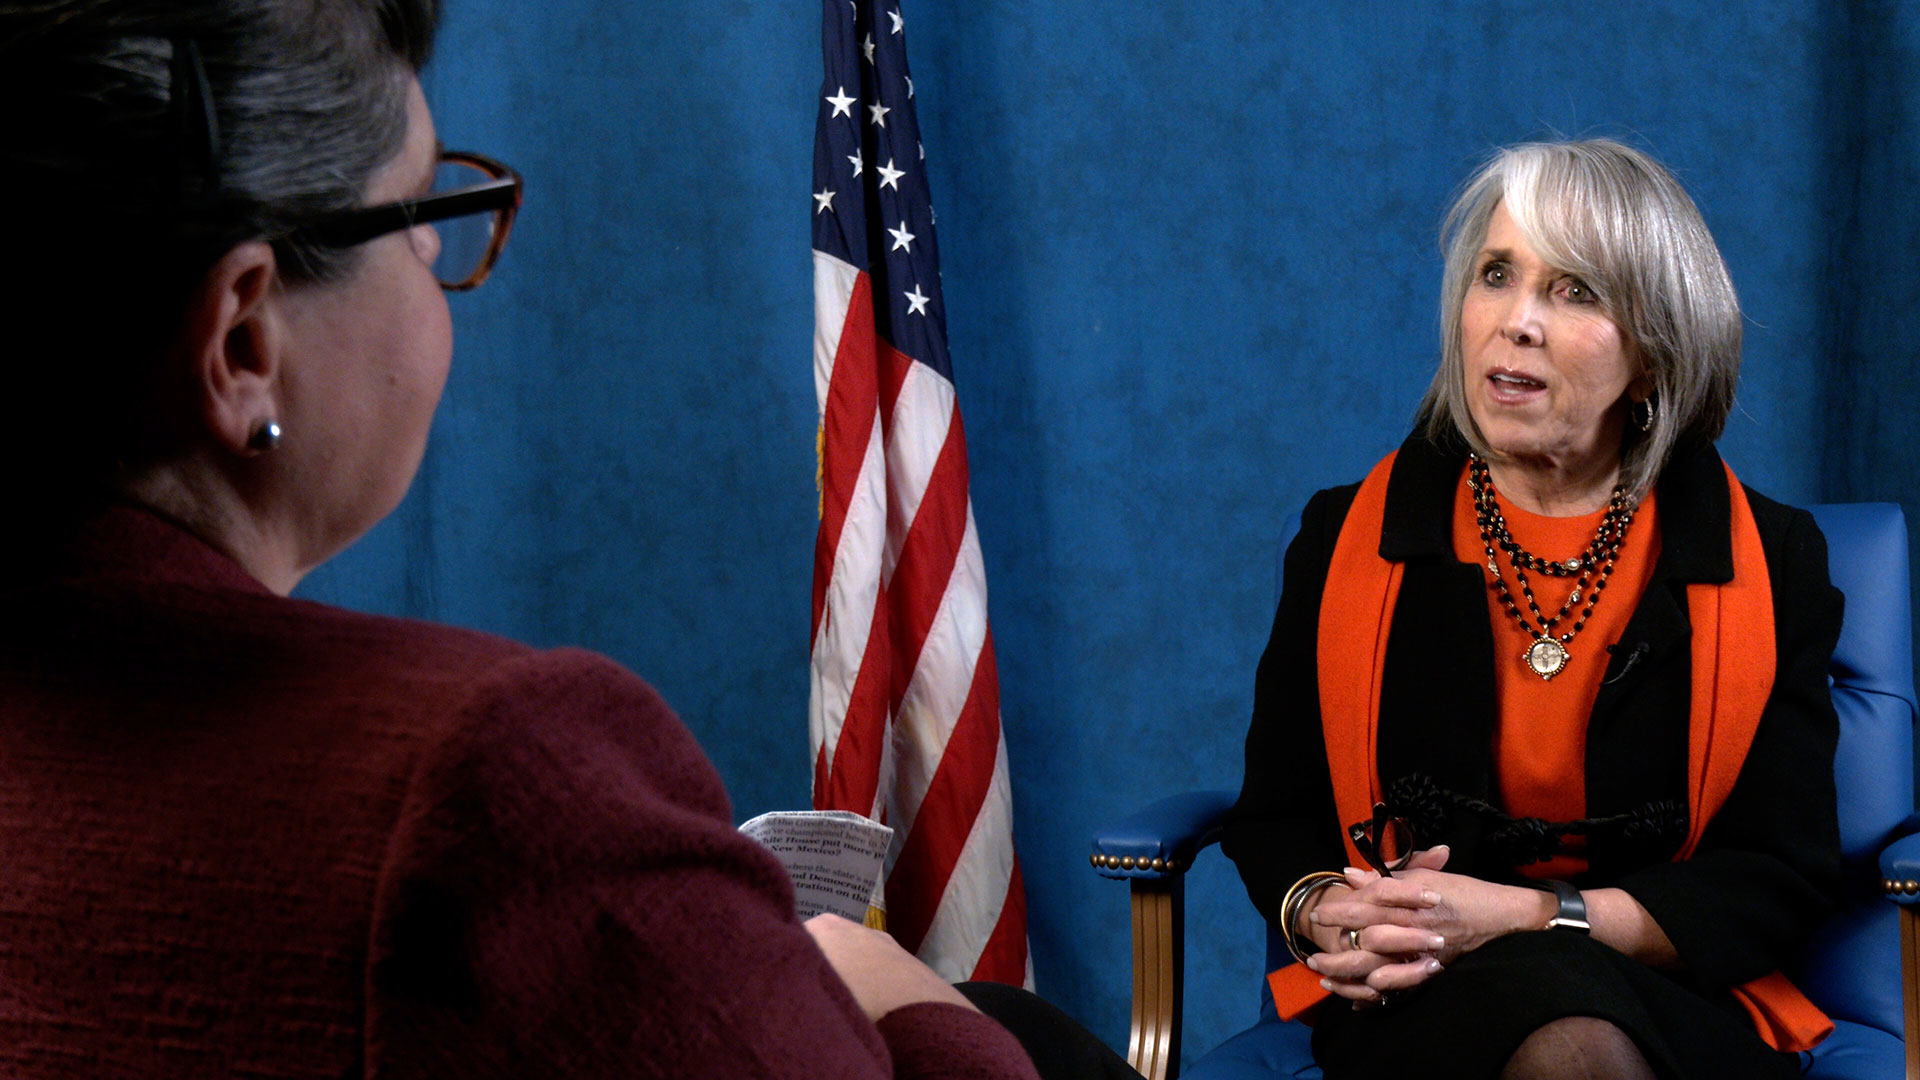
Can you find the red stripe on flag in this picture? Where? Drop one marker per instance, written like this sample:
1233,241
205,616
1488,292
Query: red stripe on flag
921,576
954,796
1004,959
854,777
894,366
846,423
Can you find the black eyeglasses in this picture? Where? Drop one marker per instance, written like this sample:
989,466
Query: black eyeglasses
1386,842
472,205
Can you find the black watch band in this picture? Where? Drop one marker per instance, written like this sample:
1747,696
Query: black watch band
1573,907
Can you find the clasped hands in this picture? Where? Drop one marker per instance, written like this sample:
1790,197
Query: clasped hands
1380,934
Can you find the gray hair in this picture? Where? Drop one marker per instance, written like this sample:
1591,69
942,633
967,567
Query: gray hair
1616,218
150,137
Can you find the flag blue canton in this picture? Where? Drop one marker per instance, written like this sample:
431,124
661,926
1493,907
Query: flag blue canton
872,207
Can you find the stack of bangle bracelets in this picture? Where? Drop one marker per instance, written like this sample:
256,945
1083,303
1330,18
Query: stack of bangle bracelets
1296,899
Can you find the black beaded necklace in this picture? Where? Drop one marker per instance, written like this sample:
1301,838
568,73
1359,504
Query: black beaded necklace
1548,655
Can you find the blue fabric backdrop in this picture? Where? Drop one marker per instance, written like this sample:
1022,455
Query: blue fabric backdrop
1191,267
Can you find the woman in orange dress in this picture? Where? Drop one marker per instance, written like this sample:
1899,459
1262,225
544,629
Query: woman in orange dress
1569,675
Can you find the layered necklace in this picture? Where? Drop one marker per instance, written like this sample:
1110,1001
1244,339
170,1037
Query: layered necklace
1548,656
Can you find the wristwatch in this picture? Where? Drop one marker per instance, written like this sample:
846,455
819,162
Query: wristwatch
1573,907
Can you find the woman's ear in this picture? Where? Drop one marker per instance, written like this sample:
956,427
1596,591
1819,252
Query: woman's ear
1641,388
232,340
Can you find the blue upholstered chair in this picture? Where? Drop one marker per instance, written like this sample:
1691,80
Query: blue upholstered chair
1853,969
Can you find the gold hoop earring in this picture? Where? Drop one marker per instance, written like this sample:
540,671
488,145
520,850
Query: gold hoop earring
1644,413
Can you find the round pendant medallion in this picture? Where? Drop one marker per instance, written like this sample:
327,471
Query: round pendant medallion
1546,657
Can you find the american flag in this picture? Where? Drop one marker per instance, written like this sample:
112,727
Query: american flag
905,709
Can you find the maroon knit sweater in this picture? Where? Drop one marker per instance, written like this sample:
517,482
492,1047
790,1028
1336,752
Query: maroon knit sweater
242,835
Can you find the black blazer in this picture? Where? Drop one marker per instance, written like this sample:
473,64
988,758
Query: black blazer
1767,865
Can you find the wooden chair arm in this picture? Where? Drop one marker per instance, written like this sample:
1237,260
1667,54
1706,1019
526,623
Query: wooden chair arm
1159,954
1152,850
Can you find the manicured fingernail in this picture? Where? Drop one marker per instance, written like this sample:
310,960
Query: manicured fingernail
1313,917
1326,984
1428,896
1433,967
1313,963
1436,942
1352,871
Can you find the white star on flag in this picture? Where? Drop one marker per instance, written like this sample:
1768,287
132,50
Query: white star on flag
825,199
898,22
879,113
842,104
890,176
868,47
855,158
901,238
916,303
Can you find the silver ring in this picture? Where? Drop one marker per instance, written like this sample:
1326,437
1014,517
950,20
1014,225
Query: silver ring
1353,940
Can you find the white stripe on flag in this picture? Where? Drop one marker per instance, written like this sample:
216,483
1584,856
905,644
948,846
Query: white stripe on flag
921,417
881,792
832,292
846,618
970,907
941,680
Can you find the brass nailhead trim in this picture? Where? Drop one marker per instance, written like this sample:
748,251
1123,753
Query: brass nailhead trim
1157,864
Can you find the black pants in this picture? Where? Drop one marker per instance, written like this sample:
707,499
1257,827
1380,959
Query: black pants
1060,1048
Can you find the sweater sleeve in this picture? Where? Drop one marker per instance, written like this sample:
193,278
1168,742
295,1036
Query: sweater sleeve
565,895
1769,861
1284,824
952,1043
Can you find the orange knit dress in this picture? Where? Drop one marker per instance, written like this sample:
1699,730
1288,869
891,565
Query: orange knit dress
1540,736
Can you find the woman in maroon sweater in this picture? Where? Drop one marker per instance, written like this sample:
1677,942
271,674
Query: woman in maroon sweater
246,835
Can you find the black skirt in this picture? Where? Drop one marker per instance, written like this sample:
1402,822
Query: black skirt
1474,1015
